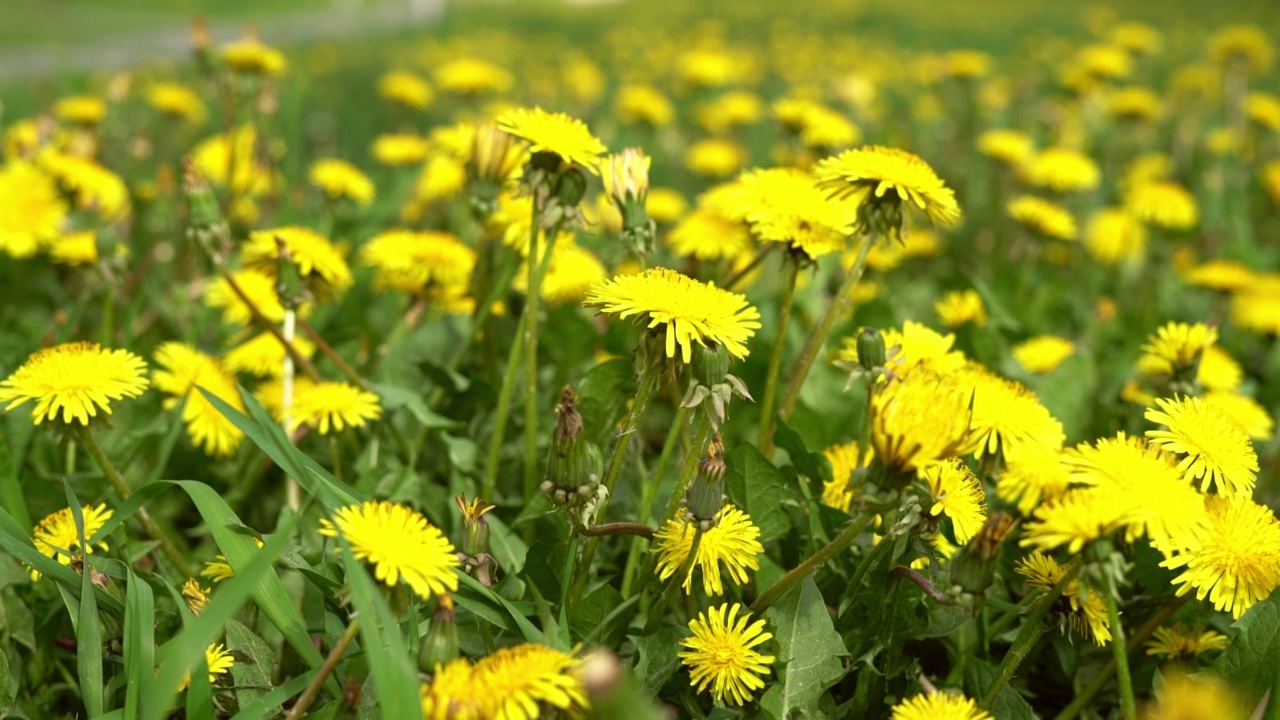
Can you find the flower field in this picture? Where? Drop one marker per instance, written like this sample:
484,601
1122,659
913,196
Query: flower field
624,361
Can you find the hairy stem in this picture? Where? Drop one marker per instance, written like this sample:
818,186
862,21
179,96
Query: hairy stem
797,575
764,438
1128,707
689,470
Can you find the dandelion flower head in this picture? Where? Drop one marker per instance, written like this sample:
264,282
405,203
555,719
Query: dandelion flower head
31,210
938,706
914,346
785,205
341,179
1113,236
839,491
400,545
722,654
55,536
919,421
316,257
1087,617
334,406
1009,147
1237,564
1182,641
1164,204
1043,353
733,541
1063,170
183,369
565,137
405,88
75,379
872,172
1213,447
959,307
958,494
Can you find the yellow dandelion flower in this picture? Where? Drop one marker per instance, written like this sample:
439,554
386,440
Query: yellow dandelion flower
1134,103
177,101
919,421
1008,147
95,188
1257,307
1007,418
232,159
715,157
1246,411
81,109
196,596
1063,170
689,311
1138,38
219,569
76,379
708,67
919,243
871,173
643,104
721,654
666,205
1148,167
341,179
263,355
453,694
76,248
55,536
959,307
556,133
958,494
1043,353
1237,563
844,459
1220,274
1044,218
317,259
405,88
1263,109
410,261
709,236
1177,346
1270,177
733,541
471,76
31,211
1245,44
334,405
1182,698
183,368
1214,448
731,110
571,273
218,660
1182,641
518,679
1219,371
251,56
1031,478
1105,62
938,706
914,346
1072,519
400,149
1082,609
399,543
1163,204
259,287
786,206
1114,236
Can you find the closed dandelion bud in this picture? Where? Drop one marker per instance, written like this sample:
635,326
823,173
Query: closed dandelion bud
571,187
710,363
706,494
974,567
475,529
871,352
570,465
493,154
288,277
626,177
202,44
542,162
202,206
440,645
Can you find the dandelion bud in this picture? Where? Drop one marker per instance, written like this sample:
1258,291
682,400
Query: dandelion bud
706,494
710,363
202,44
475,529
871,352
571,465
626,176
493,154
204,220
440,645
196,596
974,567
288,277
571,186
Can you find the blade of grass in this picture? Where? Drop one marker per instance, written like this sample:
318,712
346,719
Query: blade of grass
269,704
126,509
167,445
527,629
139,642
16,541
89,627
200,692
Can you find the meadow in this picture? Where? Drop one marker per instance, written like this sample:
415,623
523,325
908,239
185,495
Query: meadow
859,360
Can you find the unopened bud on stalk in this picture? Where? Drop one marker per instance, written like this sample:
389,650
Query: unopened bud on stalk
572,467
974,567
202,44
710,363
475,529
288,277
881,217
706,494
871,352
571,187
205,225
626,176
440,645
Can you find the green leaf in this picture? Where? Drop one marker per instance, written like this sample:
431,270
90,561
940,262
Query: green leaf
1009,705
254,662
8,689
139,641
167,445
89,647
809,464
602,398
1248,663
809,652
14,540
10,487
394,397
268,705
658,659
757,487
591,615
527,629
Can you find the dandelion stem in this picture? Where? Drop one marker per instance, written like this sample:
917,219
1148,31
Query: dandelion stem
648,492
800,370
678,578
1028,636
489,487
292,492
648,381
331,661
811,564
333,355
732,281
148,523
765,435
617,528
298,358
537,269
1128,708
689,470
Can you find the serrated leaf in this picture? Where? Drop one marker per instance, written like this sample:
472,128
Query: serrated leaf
1009,705
757,487
809,652
658,659
254,661
1256,646
394,397
602,398
809,464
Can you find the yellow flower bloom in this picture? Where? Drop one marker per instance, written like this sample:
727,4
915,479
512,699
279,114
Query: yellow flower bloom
1007,418
410,261
958,493
733,541
733,109
219,569
918,243
471,76
915,346
625,176
1043,353
317,259
786,206
1263,109
571,273
938,706
643,104
1181,698
708,235
1244,410
1246,44
871,173
1237,563
1219,274
565,137
508,685
1215,449
75,379
82,109
666,205
721,654
259,287
919,421
1087,616
405,88
689,311
231,158
1138,38
177,101
399,543
708,67
1180,641
219,662
1009,147
715,157
77,248
1134,103
959,307
1114,236
1176,347
184,368
341,179
1072,519
31,211
1031,478
1270,177
196,596
1044,218
816,125
263,355
400,149
336,405
1063,170
844,459
95,188
251,56
55,536
1163,204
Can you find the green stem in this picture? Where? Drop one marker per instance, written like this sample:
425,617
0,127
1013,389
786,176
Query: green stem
733,280
689,470
677,579
337,457
765,436
333,355
837,545
500,422
71,456
537,269
1128,707
648,493
800,370
148,523
1028,636
331,661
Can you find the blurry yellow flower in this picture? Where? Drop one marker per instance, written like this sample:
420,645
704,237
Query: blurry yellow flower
938,706
318,260
181,370
967,64
177,101
721,654
785,206
399,543
666,205
341,179
405,88
918,243
56,536
400,149
75,380
259,287
514,682
442,177
1114,236
643,104
1137,38
1257,307
232,158
571,273
715,157
873,175
1031,478
1105,62
959,307
1007,418
75,248
1083,609
1263,109
707,235
958,494
31,211
707,68
263,355
816,125
919,421
1134,103
1225,275
556,133
1010,147
1215,449
1270,177
915,346
82,109
1244,410
733,541
1063,170
844,459
1204,698
1177,347
1244,44
1222,141
1044,218
1218,370
1043,353
22,138
196,596
1180,641
1237,564
471,76
251,56
410,261
334,406
731,110
1163,204
95,187
218,660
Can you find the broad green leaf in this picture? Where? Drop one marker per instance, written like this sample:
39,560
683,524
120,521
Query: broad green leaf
591,613
11,494
8,689
810,464
89,648
254,662
809,652
602,399
268,706
394,397
139,642
530,633
978,676
657,658
757,487
1249,662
